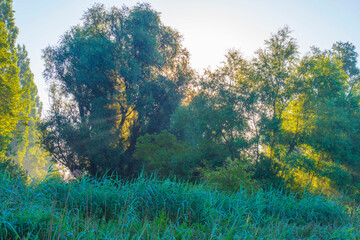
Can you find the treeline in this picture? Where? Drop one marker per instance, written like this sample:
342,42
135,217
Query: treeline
124,99
20,107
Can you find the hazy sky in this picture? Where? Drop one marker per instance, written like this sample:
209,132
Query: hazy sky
209,27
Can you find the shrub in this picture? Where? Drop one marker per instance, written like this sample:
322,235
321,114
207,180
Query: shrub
231,177
164,154
8,166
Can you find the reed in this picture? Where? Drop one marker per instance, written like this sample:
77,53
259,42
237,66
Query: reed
149,208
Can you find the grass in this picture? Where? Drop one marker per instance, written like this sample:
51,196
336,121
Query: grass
153,209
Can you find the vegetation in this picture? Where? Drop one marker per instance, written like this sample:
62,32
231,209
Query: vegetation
125,98
260,148
10,88
122,72
20,107
153,209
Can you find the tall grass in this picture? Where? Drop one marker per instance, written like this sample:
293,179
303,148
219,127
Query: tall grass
148,208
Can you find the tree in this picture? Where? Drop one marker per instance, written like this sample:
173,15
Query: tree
274,79
25,148
122,73
238,108
20,106
215,118
296,119
7,17
321,122
10,88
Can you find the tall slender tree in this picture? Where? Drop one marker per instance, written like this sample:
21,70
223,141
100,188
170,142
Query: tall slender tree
25,148
20,106
10,88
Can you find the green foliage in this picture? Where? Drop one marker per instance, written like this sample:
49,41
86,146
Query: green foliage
214,119
189,123
25,148
273,78
122,73
296,117
7,17
236,174
19,104
152,209
348,56
164,155
12,170
320,124
118,89
10,88
118,83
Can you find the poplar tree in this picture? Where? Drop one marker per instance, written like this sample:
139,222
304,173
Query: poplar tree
20,106
10,88
25,146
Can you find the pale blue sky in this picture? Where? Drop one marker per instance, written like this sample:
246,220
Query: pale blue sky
209,27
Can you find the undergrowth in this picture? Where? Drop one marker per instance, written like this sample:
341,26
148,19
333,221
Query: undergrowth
147,208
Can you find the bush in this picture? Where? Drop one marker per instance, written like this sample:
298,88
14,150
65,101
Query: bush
164,154
8,166
231,177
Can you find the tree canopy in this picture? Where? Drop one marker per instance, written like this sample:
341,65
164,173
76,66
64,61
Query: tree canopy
122,74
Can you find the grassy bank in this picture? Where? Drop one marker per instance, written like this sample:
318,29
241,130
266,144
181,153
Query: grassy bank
153,209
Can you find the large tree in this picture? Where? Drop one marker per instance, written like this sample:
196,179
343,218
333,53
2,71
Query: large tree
121,74
215,118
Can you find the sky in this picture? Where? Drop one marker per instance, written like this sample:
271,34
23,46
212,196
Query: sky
209,27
